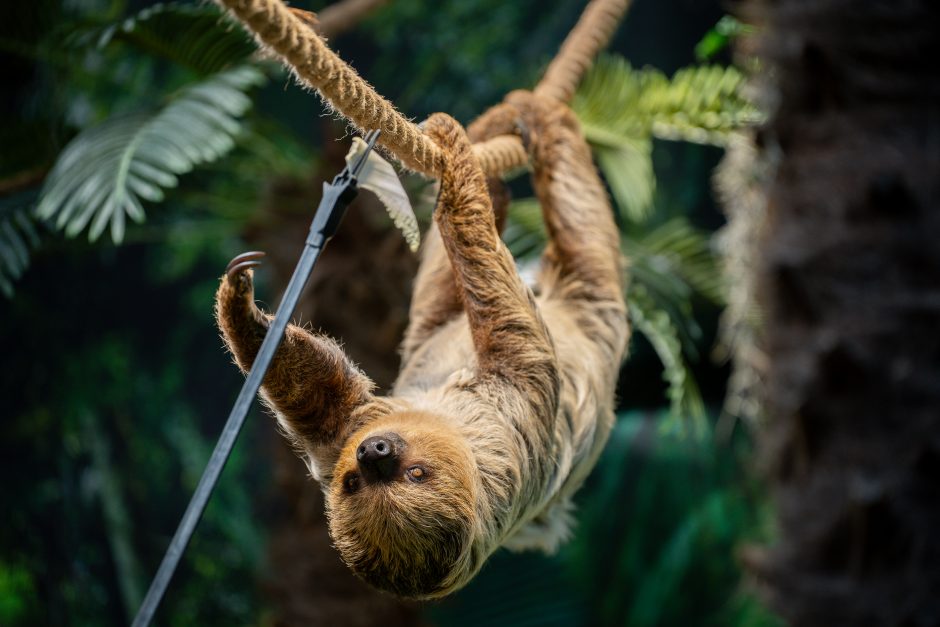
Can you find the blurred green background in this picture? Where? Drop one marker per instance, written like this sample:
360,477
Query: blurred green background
117,384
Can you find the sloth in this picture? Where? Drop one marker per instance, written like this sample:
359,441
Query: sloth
505,396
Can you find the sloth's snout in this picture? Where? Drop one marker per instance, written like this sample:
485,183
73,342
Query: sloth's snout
378,456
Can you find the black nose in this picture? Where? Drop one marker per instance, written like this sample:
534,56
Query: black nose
378,457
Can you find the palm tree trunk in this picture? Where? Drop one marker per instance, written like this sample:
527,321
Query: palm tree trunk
851,286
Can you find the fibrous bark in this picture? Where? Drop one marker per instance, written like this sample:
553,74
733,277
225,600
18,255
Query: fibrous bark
851,285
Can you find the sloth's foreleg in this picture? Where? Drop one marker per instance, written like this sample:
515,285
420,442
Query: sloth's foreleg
511,341
435,299
311,383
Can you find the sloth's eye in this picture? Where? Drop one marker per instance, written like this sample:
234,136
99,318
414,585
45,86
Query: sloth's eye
351,483
417,473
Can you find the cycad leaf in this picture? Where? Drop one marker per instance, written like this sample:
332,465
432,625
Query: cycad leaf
105,172
621,109
194,36
684,398
701,104
678,248
18,236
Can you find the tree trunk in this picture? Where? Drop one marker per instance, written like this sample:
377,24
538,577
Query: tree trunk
851,286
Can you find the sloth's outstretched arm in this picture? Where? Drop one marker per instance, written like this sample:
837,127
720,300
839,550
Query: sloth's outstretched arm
510,339
311,383
435,299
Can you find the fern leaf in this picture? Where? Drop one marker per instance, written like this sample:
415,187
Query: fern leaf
105,172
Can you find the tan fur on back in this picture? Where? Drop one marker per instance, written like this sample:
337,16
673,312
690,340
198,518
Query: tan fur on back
504,400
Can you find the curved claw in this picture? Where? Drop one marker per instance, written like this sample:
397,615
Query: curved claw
241,267
240,259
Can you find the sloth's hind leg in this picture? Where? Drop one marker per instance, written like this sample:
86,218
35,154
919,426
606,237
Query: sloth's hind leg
584,246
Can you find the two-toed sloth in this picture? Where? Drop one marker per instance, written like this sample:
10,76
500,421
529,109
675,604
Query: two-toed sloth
505,396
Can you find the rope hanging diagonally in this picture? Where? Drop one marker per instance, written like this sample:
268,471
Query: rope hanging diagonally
276,28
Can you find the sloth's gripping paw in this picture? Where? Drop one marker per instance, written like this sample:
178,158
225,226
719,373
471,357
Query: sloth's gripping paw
242,324
237,273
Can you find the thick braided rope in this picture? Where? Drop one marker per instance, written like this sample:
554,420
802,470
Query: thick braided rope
316,66
500,154
589,36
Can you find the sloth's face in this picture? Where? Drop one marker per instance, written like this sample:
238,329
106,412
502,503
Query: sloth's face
402,505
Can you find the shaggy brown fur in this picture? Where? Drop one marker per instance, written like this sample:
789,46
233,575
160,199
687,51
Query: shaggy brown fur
504,400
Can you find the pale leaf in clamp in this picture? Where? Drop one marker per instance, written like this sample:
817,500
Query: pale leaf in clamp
379,177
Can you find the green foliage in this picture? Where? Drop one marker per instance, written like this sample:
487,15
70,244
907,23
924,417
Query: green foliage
127,153
193,36
658,522
718,38
17,593
117,427
462,57
18,236
622,109
105,172
661,331
113,425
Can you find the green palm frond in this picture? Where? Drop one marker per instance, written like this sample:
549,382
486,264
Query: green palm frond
106,172
622,109
702,104
667,266
194,36
677,248
18,236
